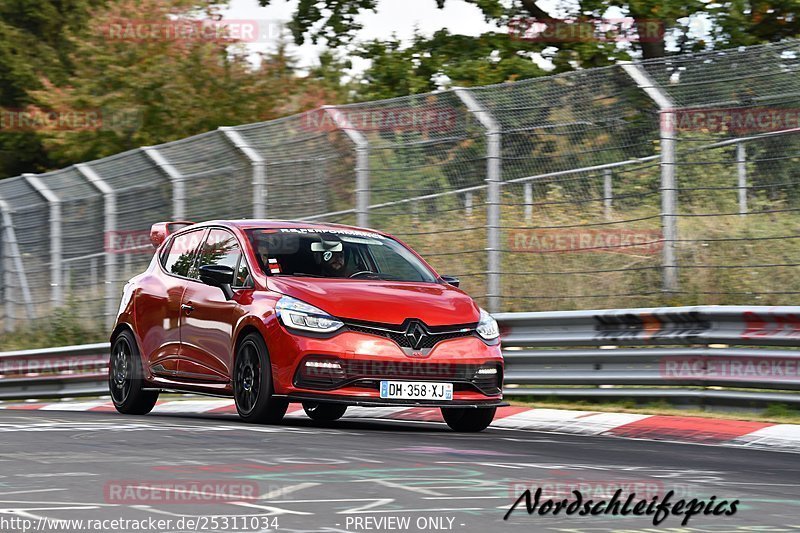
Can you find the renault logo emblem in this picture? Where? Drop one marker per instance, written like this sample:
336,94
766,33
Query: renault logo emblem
415,334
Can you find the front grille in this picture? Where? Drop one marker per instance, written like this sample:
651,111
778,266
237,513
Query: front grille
398,334
369,371
410,369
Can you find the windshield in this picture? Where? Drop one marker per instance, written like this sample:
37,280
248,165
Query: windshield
335,254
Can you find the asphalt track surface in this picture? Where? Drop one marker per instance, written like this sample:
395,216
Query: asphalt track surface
313,477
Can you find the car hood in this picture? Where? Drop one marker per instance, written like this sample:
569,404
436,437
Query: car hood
388,302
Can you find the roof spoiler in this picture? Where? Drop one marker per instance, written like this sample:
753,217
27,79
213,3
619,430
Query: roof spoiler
161,230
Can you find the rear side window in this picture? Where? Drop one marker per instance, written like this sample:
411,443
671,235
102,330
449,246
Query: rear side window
178,257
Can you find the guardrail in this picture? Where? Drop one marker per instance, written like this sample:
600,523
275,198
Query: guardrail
723,354
702,353
63,372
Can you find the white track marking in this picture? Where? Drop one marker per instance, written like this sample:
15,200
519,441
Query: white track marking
778,436
29,491
393,485
373,412
74,406
271,511
576,422
465,498
71,508
277,493
373,502
36,502
191,406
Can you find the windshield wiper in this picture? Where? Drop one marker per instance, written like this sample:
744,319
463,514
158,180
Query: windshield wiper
299,275
375,275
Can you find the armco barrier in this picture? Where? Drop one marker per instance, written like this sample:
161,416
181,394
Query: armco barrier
696,353
726,354
63,372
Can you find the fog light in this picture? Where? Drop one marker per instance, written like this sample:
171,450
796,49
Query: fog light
324,364
487,371
318,372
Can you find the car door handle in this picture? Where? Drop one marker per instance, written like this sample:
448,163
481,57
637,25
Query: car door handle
188,308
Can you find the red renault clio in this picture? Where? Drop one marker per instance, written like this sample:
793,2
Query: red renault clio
273,312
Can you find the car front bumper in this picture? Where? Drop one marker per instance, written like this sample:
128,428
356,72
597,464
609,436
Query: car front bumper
366,360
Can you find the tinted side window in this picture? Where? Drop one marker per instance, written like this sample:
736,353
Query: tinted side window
179,258
220,248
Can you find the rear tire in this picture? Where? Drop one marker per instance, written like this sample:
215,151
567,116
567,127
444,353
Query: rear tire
467,419
252,383
324,412
126,378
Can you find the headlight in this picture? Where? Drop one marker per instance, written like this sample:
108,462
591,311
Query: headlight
295,314
487,327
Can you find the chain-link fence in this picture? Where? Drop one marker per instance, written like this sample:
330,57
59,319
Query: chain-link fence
672,181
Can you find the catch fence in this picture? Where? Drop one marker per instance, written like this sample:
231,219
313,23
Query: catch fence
665,182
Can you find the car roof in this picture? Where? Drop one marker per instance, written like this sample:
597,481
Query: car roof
246,224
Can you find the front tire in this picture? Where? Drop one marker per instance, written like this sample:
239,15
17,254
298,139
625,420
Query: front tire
468,420
126,378
324,412
252,383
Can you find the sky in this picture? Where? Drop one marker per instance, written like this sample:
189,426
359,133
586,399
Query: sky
398,17
393,16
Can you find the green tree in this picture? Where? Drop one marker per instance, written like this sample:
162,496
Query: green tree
155,90
327,78
443,59
34,43
88,57
504,56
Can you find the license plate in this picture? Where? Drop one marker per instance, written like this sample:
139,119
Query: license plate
416,390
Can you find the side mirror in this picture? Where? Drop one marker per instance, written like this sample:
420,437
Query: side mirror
451,280
218,276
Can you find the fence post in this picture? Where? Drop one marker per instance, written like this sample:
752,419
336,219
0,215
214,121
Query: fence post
493,184
7,279
362,163
608,194
56,252
528,195
259,166
741,167
178,184
109,228
11,251
669,221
